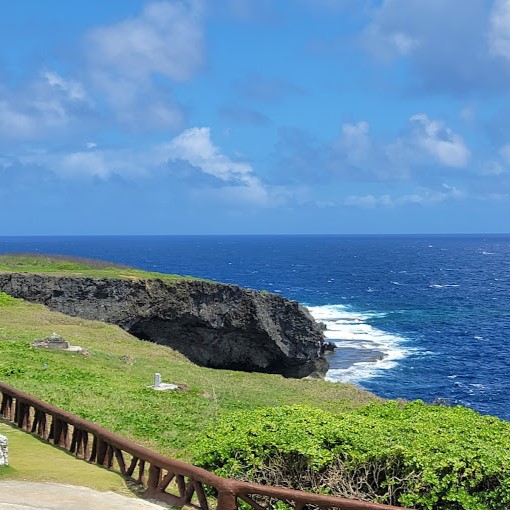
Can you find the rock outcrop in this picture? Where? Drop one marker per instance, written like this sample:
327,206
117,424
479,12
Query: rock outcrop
212,324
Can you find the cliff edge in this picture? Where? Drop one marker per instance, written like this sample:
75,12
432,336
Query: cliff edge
212,324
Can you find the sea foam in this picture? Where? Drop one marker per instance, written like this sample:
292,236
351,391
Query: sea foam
362,350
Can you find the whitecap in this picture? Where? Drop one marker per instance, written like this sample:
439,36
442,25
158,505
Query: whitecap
444,286
375,349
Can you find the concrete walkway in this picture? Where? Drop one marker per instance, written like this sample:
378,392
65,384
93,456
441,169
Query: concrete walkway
16,495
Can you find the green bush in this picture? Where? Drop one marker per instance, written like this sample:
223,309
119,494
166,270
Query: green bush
414,455
6,300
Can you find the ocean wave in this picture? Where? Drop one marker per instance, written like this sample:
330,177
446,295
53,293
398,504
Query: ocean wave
362,350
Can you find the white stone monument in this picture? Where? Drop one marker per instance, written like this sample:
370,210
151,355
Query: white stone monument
4,451
161,386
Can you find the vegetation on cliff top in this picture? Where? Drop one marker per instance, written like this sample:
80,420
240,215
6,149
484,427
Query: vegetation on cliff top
414,455
59,265
259,427
109,386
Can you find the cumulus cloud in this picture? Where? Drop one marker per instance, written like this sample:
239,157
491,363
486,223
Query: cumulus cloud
439,141
126,61
424,148
196,147
233,178
166,39
48,103
444,42
426,142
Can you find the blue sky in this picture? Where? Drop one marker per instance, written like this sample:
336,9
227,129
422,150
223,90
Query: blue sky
254,116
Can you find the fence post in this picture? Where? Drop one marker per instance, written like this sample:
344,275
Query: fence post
227,500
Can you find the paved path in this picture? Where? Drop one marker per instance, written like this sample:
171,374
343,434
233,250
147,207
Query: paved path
16,495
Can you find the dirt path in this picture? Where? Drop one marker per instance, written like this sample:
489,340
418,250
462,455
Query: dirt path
15,495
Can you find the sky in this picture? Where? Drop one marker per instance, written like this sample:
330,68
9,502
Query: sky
254,117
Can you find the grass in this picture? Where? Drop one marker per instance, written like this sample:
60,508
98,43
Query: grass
109,386
59,265
32,459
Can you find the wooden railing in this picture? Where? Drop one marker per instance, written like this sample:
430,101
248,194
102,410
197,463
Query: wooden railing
165,479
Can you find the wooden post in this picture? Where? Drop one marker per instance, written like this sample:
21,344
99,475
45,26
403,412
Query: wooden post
226,500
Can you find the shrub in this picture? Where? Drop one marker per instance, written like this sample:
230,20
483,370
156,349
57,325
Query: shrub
6,300
414,455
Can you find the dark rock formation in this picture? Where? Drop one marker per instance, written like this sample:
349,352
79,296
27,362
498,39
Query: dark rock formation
212,324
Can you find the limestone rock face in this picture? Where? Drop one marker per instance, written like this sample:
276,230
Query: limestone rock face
212,324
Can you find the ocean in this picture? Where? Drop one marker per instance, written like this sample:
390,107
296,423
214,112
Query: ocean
413,317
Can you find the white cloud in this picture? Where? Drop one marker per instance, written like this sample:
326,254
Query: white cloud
492,168
368,201
499,31
234,182
404,43
126,60
505,153
388,44
73,89
91,163
165,39
444,42
193,145
48,103
196,147
357,155
15,123
421,197
438,141
355,141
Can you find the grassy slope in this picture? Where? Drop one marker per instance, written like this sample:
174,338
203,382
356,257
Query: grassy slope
32,459
109,385
68,266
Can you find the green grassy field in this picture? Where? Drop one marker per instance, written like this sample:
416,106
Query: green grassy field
60,266
32,459
109,385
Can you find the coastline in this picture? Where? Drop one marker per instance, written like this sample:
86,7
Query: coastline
362,351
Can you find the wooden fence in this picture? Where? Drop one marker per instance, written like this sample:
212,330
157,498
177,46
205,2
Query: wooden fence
166,479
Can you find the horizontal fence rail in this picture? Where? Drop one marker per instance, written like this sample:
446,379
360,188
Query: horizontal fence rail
165,479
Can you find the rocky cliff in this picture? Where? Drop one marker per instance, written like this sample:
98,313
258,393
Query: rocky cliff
212,324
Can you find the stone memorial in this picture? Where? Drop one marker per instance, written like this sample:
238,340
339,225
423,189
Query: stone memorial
54,341
4,451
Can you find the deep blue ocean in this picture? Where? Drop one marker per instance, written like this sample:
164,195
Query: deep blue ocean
412,316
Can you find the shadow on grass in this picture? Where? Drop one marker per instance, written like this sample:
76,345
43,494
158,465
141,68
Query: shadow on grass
31,458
